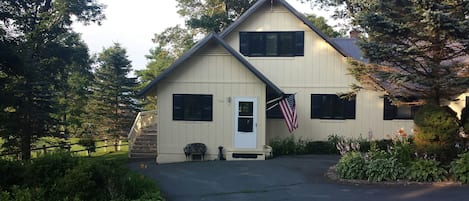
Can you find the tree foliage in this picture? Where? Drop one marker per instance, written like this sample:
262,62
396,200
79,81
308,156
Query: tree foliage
113,106
415,49
321,23
212,15
38,47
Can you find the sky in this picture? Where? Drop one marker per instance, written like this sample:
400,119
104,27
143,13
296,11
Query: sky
134,23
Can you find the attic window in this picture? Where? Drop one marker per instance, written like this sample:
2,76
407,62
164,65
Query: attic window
271,44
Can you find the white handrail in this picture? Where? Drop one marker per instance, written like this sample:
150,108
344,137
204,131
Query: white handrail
143,120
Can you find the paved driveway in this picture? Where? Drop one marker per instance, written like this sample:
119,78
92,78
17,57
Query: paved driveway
285,178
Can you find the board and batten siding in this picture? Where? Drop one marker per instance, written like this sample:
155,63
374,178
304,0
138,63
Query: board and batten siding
212,71
322,70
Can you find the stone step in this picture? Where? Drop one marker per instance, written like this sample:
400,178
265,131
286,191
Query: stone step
142,155
143,151
142,146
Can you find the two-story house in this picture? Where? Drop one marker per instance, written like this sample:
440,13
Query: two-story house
218,92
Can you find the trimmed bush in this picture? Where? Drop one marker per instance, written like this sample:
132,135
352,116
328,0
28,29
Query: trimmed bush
460,168
351,166
436,131
424,170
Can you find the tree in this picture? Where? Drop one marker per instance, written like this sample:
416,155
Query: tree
417,52
113,106
415,49
73,90
212,15
321,24
33,36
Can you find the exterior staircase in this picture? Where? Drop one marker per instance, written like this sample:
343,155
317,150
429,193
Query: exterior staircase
143,136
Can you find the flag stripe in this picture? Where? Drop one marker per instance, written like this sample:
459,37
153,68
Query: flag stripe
288,108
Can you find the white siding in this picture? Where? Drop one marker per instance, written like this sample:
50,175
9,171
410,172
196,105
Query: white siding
323,70
212,71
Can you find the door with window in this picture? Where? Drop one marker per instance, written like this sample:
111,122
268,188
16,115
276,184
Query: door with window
245,135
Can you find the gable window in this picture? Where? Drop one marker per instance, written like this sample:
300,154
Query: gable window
192,107
271,44
331,106
398,112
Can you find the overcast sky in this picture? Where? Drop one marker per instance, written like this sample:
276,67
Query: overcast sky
134,23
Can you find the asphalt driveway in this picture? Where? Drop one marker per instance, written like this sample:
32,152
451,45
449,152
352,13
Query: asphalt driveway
285,178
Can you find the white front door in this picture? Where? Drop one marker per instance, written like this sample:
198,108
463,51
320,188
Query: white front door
245,135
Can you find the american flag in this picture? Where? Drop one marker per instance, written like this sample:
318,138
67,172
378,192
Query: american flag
288,108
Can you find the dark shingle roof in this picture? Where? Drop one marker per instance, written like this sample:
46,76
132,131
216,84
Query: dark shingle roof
349,45
211,37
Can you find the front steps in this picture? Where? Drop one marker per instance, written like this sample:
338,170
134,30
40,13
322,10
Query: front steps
145,145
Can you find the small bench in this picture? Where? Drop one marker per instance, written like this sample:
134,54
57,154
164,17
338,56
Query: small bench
195,149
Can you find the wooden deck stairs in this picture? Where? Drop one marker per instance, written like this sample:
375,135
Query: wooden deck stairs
143,138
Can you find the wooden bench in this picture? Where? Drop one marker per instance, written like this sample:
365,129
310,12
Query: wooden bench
195,149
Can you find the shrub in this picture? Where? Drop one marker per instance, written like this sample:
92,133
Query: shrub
460,168
351,166
436,131
384,169
7,178
45,170
60,176
320,147
425,170
284,146
288,146
89,144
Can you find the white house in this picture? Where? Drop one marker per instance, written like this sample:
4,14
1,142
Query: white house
217,93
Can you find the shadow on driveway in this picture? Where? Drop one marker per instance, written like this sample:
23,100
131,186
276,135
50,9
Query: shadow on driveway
279,179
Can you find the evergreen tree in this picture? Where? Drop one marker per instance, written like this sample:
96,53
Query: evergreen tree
73,90
416,49
33,36
113,106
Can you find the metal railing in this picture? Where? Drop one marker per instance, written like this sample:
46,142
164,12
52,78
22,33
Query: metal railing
146,119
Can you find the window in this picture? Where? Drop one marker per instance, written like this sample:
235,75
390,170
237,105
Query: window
331,106
271,44
192,107
274,112
398,112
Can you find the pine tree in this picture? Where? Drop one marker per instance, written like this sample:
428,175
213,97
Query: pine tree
113,106
33,36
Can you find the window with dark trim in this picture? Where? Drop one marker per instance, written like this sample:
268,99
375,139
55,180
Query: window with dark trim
331,106
398,112
271,44
192,107
274,112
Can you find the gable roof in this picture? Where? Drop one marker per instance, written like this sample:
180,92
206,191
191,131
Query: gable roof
211,37
254,8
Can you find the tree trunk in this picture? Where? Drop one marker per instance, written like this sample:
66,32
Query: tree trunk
26,143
